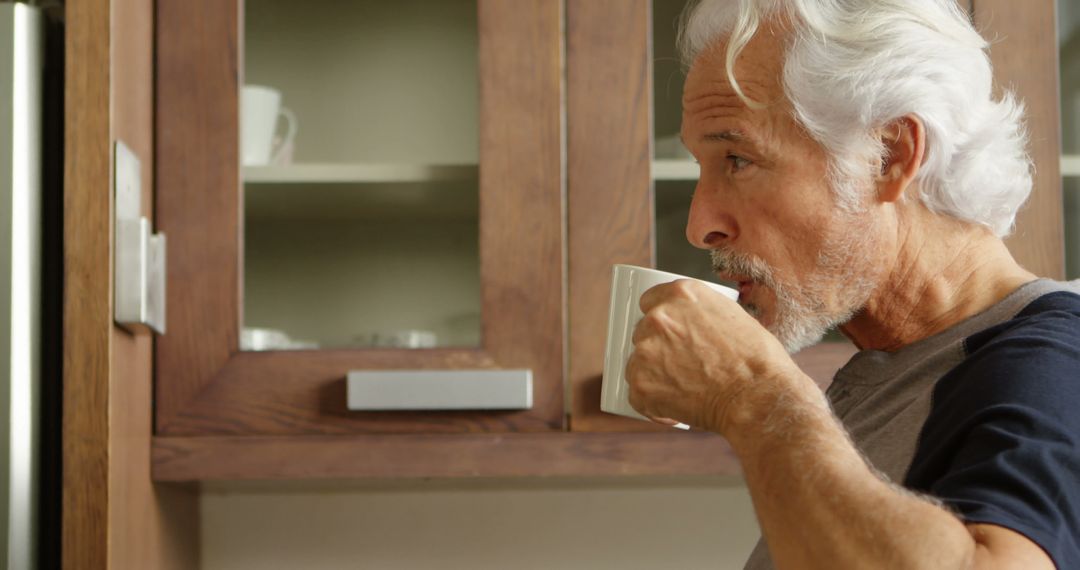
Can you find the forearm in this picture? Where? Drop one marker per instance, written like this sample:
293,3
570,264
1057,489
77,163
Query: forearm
821,506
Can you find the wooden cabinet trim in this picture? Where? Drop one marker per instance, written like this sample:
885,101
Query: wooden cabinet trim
610,190
178,459
87,286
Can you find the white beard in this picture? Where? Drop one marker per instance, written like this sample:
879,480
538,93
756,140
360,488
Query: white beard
843,271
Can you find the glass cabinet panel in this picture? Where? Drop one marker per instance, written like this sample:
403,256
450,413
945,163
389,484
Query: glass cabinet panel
359,144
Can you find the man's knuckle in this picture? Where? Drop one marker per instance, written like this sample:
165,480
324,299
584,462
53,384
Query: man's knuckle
683,287
654,319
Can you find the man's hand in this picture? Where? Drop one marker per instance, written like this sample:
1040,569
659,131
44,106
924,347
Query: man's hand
699,358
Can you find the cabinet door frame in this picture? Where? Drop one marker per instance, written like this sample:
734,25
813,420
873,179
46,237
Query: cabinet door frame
205,385
609,151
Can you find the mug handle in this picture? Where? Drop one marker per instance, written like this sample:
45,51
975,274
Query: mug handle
292,125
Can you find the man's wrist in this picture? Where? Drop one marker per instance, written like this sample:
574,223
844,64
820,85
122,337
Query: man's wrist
775,411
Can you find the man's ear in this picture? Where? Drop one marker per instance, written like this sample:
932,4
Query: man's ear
904,141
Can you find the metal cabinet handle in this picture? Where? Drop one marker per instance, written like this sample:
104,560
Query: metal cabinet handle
384,390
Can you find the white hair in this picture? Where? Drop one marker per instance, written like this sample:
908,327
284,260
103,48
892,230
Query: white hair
853,66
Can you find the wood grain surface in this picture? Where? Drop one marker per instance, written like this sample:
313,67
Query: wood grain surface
1025,58
522,205
206,386
87,281
198,193
609,182
410,456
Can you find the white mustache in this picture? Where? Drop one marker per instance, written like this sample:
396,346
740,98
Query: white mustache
751,266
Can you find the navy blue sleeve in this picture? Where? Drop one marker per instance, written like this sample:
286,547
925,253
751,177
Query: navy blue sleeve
1002,442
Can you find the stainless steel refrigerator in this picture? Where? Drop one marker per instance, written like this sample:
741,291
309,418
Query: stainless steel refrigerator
22,53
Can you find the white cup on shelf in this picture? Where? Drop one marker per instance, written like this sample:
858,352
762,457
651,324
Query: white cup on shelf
255,338
260,108
409,338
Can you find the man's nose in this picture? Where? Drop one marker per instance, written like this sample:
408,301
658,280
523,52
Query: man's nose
710,223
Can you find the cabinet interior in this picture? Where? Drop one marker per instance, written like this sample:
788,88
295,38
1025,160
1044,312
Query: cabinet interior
371,230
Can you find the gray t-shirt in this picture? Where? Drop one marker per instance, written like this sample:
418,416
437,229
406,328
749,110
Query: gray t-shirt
884,399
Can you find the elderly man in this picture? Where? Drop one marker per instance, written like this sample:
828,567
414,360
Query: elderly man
856,171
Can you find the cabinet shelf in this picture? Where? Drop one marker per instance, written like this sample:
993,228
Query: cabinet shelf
362,192
314,173
368,192
668,169
364,173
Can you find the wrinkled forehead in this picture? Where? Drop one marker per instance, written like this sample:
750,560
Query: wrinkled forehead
758,69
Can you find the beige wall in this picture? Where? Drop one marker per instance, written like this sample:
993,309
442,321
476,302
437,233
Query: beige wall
568,525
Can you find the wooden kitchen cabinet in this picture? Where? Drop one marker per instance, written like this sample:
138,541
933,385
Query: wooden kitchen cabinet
207,387
564,86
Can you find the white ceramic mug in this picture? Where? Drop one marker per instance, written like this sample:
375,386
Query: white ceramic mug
628,283
260,109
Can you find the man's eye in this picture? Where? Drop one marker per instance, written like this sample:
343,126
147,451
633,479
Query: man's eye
737,162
